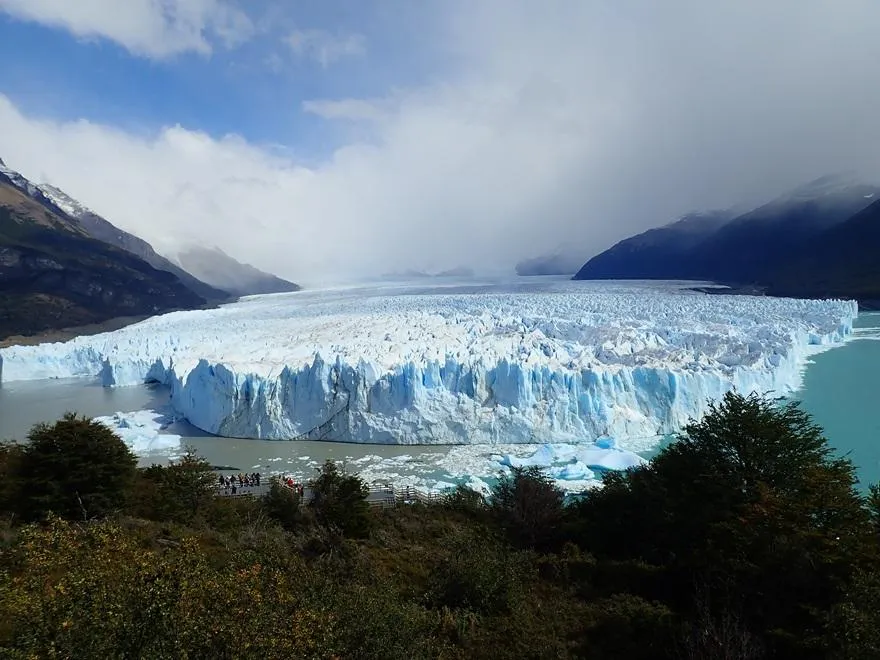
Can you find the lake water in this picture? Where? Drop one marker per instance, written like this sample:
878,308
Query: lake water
23,404
839,391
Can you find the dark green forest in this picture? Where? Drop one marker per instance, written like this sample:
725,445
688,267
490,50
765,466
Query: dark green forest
744,539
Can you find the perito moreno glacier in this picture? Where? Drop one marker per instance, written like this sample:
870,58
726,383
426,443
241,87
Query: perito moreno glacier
573,364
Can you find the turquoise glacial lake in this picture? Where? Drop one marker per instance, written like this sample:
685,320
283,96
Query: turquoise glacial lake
841,391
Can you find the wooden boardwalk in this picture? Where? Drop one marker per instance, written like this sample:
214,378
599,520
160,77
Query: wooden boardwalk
378,496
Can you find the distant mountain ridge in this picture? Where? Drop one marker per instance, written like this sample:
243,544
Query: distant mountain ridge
63,265
749,247
209,272
412,274
769,246
659,253
843,262
556,263
101,229
53,274
214,266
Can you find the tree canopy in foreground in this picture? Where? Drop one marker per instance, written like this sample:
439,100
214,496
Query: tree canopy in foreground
746,538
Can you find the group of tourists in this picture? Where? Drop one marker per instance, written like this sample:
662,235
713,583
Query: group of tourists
298,488
234,484
240,481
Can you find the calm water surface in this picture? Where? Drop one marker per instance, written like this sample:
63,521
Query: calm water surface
842,392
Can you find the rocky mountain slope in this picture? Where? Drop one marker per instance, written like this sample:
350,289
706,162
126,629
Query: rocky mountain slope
784,246
660,253
99,228
750,247
53,274
218,269
842,262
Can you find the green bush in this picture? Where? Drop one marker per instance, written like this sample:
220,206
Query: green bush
95,591
465,500
10,488
744,539
339,500
181,491
478,574
749,500
76,468
627,626
529,506
283,506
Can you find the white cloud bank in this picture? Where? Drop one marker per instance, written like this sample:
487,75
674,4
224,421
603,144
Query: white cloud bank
563,122
151,28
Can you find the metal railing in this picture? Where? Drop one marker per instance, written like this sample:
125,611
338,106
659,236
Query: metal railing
250,490
378,496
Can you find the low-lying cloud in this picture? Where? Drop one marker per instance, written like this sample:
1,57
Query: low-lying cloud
557,123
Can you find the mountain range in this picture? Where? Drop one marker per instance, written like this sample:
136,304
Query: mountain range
63,265
819,240
213,265
560,262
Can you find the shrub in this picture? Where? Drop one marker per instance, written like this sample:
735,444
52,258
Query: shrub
282,505
478,574
529,507
76,468
465,500
751,501
627,626
10,466
93,591
339,500
180,491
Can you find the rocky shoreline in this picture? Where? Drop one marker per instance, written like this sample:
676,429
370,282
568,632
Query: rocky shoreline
66,334
865,304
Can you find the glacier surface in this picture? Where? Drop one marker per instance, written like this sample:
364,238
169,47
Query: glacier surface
566,364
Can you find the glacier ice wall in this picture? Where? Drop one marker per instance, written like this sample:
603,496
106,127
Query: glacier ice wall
565,366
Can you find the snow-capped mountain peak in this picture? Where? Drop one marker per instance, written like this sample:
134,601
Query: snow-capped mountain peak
829,184
55,196
64,201
18,180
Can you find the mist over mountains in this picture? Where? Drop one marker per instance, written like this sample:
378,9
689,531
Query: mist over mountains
62,265
501,129
820,239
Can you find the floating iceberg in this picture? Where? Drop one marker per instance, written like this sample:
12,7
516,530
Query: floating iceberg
587,361
142,431
573,462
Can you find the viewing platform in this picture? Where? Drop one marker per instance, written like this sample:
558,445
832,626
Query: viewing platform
379,496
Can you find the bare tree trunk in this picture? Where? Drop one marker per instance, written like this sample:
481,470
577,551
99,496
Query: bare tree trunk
82,507
718,636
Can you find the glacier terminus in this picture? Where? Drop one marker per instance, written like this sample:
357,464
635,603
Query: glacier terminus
565,362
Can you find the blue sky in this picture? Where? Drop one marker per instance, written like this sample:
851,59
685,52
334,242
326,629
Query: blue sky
317,138
254,89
